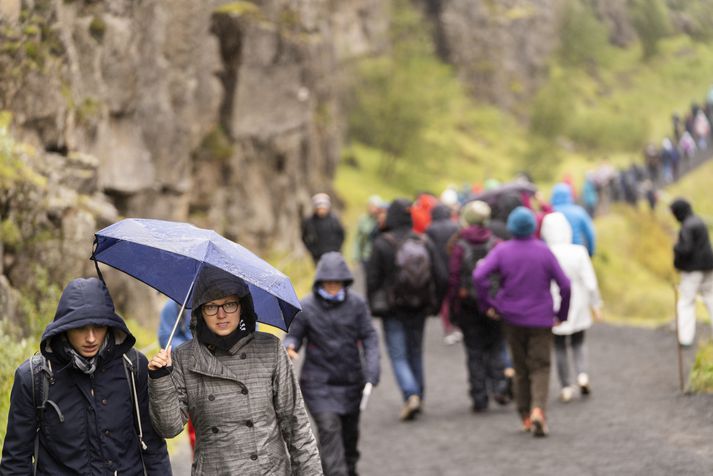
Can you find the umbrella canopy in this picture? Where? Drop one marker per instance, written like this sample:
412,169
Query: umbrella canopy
518,186
168,256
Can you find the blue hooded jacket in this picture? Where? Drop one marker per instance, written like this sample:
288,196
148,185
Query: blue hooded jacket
97,435
332,376
578,218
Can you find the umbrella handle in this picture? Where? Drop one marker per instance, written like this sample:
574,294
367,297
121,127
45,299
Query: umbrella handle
180,313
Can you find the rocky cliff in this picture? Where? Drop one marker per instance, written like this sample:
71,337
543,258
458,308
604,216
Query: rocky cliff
223,113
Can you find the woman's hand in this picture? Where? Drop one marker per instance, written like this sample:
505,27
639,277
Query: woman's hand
160,360
292,353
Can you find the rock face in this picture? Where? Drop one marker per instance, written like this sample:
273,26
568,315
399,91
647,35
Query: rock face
222,113
500,49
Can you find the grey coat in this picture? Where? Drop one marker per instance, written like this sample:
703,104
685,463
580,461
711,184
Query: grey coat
245,405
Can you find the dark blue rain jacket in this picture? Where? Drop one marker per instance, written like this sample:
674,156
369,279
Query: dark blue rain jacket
336,334
98,435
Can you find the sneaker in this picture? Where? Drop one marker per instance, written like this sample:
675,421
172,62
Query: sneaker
583,382
539,426
453,338
566,394
526,424
411,408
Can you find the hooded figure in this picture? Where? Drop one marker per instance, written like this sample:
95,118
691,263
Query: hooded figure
693,257
236,385
440,231
336,328
576,264
403,327
582,227
88,424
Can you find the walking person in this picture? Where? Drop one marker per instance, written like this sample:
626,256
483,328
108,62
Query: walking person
440,231
366,226
89,382
402,276
525,268
582,227
236,385
322,231
585,303
483,337
335,329
693,258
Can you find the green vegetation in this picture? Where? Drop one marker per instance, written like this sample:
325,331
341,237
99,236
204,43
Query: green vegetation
701,376
650,18
97,28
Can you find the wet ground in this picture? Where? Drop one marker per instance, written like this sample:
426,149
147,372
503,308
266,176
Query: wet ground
635,422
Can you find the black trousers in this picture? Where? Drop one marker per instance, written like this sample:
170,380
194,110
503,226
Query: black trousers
484,344
338,438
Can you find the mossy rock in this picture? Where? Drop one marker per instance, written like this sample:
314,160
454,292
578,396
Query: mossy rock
97,28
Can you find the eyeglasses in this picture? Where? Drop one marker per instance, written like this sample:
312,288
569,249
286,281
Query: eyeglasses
228,308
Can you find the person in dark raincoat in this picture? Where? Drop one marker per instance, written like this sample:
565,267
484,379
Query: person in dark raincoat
337,328
322,231
403,326
88,424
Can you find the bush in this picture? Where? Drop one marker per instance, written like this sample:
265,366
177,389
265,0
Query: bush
701,377
650,19
583,38
551,109
606,131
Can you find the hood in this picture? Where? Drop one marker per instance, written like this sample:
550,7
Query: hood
86,301
332,267
561,195
214,283
556,230
504,204
681,209
440,212
475,234
398,214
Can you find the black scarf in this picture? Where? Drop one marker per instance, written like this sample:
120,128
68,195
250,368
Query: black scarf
81,363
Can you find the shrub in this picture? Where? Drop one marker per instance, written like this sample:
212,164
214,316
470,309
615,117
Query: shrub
650,19
583,38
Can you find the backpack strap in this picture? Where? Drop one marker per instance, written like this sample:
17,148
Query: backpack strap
42,378
131,366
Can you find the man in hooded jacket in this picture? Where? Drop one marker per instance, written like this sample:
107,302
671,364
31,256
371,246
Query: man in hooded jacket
88,423
693,258
403,327
336,325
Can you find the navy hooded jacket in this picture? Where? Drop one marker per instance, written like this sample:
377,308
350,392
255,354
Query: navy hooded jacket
98,435
332,376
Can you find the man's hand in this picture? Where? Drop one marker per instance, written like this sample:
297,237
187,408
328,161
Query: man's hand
292,353
597,314
492,314
160,360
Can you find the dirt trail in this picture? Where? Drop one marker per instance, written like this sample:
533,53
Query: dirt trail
634,423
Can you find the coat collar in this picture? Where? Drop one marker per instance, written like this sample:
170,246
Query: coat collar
204,362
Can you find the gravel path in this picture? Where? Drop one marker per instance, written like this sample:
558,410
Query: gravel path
634,423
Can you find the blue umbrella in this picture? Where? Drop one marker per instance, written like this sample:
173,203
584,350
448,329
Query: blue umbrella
169,256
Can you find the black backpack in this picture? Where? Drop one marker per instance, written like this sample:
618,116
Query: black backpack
42,378
472,254
413,286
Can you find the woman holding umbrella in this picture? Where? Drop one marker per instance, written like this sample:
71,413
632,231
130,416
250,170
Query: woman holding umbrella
236,385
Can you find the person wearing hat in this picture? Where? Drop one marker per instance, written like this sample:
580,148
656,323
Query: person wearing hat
236,385
88,422
482,337
525,268
322,231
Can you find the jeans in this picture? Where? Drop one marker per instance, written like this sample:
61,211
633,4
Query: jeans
404,342
579,356
338,438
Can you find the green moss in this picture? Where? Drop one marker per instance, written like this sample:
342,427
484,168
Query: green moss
10,234
239,8
88,110
97,28
216,146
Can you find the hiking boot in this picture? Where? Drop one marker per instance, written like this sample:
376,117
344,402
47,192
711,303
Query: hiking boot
583,382
411,408
566,394
453,338
539,426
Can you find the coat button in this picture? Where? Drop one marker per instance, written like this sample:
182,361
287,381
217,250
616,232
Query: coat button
107,432
245,391
243,356
211,397
104,401
249,423
214,429
253,457
109,462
